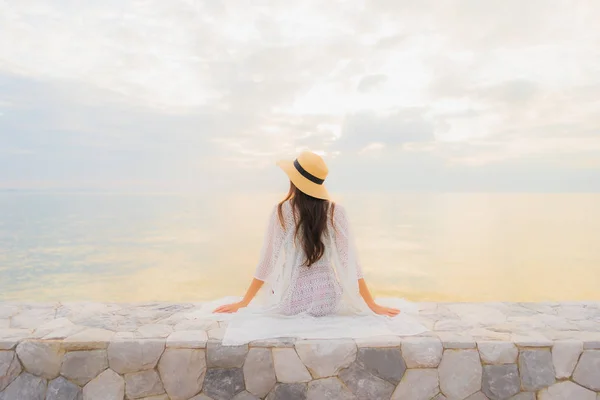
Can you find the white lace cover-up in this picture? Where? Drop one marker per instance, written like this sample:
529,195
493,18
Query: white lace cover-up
317,302
313,290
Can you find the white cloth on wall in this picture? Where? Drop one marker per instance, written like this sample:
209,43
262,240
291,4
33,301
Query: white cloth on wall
317,302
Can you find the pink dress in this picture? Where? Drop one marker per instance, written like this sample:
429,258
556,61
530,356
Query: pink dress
313,290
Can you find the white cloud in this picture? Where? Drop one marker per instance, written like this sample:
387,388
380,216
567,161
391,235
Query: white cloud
465,82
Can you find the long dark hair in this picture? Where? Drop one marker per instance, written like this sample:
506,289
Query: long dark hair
310,216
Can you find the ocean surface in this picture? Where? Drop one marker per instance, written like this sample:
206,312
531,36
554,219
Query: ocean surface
423,247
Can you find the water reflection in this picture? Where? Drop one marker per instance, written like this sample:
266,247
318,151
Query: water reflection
189,248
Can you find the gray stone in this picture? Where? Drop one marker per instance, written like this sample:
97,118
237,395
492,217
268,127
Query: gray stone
378,341
89,339
564,357
7,310
259,372
26,386
365,385
106,386
328,388
498,352
216,334
417,384
288,367
245,396
182,372
566,391
9,338
153,331
524,396
32,318
325,358
587,373
125,356
274,342
83,366
10,368
441,397
196,325
456,340
288,391
536,369
460,373
159,397
531,339
187,340
219,356
223,383
422,352
477,396
143,384
64,332
62,389
201,396
41,358
386,363
501,381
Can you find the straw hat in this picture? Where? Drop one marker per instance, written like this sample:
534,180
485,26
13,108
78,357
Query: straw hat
307,173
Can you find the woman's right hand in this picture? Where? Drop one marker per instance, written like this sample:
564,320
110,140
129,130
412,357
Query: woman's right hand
381,310
229,308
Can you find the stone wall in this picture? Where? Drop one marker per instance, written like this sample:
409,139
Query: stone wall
156,352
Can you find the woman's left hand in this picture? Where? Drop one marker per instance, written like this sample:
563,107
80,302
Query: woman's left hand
229,308
381,310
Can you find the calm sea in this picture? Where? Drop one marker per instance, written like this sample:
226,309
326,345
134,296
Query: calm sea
458,247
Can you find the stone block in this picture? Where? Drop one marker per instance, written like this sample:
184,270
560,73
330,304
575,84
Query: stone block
219,356
143,384
422,352
155,331
62,389
26,386
89,339
587,372
106,386
417,384
245,396
41,358
365,385
566,390
259,372
83,366
564,357
460,373
288,367
224,383
182,372
187,340
523,396
501,381
125,356
288,391
325,358
385,363
10,368
328,388
498,352
536,369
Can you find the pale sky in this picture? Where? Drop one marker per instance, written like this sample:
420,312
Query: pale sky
471,95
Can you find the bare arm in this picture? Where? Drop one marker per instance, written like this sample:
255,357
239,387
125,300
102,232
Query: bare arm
376,308
250,293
